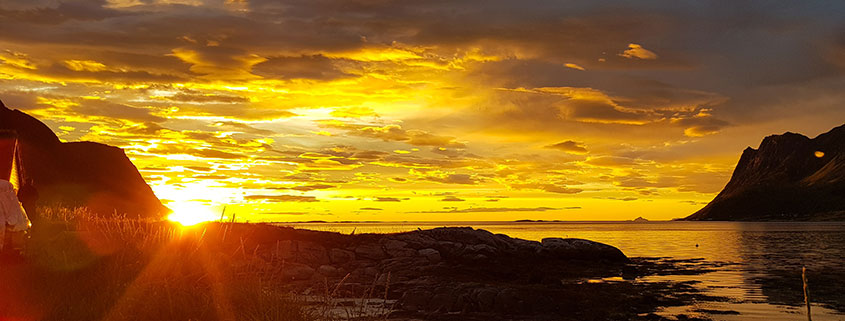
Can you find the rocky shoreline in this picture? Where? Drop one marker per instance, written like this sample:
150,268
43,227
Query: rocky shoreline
436,274
79,270
458,273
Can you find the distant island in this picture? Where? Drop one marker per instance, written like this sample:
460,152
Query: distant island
640,220
790,177
327,222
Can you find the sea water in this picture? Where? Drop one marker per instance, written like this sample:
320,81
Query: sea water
760,277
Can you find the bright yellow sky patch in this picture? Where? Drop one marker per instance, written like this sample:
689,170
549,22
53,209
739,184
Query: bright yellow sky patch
387,111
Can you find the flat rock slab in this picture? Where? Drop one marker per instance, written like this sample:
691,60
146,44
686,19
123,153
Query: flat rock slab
581,249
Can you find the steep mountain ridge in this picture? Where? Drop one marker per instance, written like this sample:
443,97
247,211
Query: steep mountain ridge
789,177
89,174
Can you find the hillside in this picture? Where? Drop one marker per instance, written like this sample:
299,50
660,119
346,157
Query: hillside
90,174
790,177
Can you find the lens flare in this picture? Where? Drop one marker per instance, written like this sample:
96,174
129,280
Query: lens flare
189,213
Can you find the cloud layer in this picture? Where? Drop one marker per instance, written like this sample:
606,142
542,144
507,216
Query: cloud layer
363,109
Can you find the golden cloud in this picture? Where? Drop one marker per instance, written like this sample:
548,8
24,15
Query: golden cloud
637,51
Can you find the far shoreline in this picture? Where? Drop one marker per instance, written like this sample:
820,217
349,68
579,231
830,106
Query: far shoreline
525,222
460,222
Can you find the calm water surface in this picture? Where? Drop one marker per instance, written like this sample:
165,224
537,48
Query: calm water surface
764,283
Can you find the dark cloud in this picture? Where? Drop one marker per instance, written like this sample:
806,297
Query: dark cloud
612,161
281,198
552,188
602,112
369,155
306,188
695,203
569,147
42,13
659,86
242,127
500,209
638,181
212,177
706,42
316,67
395,133
144,129
205,98
19,100
213,153
465,179
452,199
701,125
130,76
288,213
115,110
411,161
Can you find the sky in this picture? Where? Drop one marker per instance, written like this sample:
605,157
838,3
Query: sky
428,110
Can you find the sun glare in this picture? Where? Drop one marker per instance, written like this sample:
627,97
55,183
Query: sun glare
188,214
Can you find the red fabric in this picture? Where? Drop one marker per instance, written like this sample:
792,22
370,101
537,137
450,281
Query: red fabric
7,155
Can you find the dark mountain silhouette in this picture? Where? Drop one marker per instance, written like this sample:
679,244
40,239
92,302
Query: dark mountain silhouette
789,177
90,174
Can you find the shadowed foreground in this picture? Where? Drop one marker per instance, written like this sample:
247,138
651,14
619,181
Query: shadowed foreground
129,270
80,267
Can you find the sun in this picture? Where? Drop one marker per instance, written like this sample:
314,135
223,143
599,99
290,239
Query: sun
191,213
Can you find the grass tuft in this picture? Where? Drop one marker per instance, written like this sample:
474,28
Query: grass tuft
80,266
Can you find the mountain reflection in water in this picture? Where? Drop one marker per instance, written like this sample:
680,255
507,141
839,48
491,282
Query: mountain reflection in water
762,280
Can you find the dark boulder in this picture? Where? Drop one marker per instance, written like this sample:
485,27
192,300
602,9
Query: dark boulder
451,270
432,255
341,256
581,249
370,251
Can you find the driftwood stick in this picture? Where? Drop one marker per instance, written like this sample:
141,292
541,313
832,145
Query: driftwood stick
806,292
